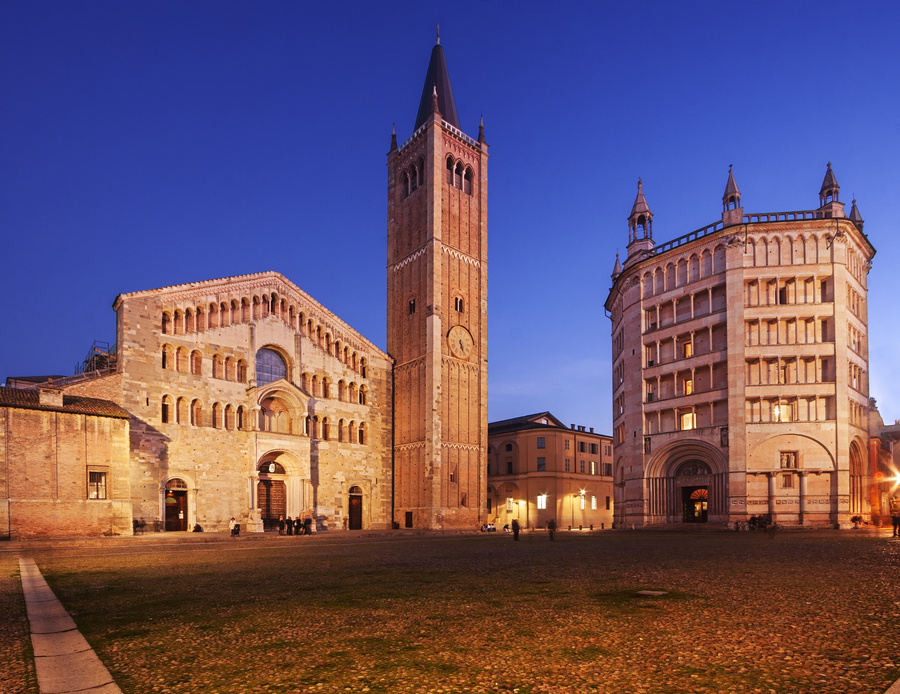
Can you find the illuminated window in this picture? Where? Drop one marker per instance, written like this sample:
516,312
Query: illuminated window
688,421
687,350
509,504
688,385
593,503
542,501
582,502
96,485
593,468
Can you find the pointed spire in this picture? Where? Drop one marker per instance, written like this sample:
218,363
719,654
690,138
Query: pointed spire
437,83
617,268
640,221
393,137
437,39
829,190
732,211
732,192
856,217
481,129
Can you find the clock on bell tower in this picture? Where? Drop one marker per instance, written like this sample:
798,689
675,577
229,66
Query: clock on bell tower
437,313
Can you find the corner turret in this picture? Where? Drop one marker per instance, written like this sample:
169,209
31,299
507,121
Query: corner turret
732,210
829,204
640,227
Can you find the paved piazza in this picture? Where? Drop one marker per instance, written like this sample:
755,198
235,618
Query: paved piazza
400,612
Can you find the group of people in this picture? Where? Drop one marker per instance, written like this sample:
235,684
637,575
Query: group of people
295,526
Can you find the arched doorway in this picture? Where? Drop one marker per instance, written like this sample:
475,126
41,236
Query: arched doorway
355,508
694,504
271,495
691,479
175,503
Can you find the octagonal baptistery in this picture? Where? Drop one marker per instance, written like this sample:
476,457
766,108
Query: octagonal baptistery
740,368
250,400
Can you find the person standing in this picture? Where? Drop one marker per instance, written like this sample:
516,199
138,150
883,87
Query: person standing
551,528
515,528
895,517
281,525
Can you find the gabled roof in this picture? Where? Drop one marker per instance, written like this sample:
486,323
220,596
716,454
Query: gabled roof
437,79
72,404
529,421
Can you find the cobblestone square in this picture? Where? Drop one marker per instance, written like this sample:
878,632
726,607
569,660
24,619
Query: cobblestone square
394,612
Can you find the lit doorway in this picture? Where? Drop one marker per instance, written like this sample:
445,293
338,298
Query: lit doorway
175,503
355,508
694,504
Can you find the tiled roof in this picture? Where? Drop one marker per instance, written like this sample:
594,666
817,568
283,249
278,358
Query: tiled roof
525,422
72,404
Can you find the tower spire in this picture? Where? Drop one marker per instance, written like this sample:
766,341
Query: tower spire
437,82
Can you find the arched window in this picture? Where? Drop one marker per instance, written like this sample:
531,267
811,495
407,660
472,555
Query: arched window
353,392
351,431
363,395
269,366
457,176
467,182
242,371
326,428
362,367
229,417
240,417
167,362
216,415
245,310
325,387
196,414
235,312
458,304
342,390
216,366
450,171
188,321
229,369
178,323
181,411
362,433
213,316
201,324
166,323
196,363
166,413
181,359
255,314
223,314
340,430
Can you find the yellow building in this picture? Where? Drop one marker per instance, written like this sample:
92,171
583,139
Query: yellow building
740,367
538,470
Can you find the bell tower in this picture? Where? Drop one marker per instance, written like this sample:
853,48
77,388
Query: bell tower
437,313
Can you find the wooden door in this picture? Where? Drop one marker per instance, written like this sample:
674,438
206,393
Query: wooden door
272,499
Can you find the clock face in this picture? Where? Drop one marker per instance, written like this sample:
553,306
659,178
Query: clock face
460,341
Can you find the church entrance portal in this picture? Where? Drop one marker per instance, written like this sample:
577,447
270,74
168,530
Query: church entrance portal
355,509
175,503
271,495
694,504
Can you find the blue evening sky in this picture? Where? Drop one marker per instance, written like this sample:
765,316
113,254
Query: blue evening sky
153,143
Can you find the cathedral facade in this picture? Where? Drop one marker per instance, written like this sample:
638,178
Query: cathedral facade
247,398
740,367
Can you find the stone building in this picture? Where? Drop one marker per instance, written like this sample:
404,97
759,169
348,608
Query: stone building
246,397
64,465
249,399
740,367
540,470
